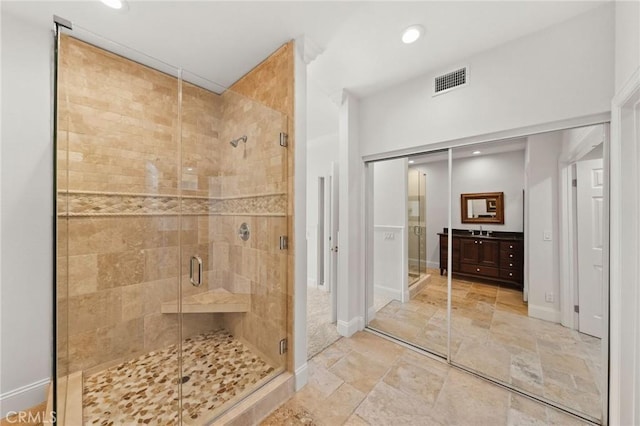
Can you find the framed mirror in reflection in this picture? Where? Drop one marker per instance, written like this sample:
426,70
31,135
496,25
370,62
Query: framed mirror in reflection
482,207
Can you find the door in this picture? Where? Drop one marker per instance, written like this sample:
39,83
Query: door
331,235
233,248
590,240
117,237
416,213
469,250
488,252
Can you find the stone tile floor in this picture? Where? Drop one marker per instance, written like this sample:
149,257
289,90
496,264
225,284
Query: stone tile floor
220,370
320,331
492,334
367,380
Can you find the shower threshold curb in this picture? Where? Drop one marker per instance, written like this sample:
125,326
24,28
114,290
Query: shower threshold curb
262,402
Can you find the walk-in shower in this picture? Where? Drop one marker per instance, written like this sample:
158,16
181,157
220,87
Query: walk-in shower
164,314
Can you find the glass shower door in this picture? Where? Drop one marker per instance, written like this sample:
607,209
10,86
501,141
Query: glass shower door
172,257
118,238
233,179
417,225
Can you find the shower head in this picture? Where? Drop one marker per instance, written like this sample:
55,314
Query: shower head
235,142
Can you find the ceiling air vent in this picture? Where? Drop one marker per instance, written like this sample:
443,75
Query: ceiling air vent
450,80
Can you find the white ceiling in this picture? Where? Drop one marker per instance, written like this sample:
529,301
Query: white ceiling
486,148
366,53
221,41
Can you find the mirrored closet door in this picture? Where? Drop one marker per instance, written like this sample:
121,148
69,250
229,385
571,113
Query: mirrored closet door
523,242
408,288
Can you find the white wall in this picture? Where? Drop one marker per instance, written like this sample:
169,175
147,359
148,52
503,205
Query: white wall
542,201
562,72
321,152
627,41
490,173
503,172
390,249
27,188
351,237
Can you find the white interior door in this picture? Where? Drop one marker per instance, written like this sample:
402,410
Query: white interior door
590,216
331,236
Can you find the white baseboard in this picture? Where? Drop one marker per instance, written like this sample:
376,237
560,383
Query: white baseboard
414,262
301,376
544,313
433,265
371,313
311,282
391,293
348,329
24,397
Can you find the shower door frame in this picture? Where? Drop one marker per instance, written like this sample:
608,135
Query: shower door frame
62,26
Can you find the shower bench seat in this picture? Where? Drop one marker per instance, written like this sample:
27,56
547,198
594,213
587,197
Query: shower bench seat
218,300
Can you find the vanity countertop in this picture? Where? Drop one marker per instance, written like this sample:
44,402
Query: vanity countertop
495,235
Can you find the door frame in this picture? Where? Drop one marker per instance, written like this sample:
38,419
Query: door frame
321,230
623,388
332,228
567,224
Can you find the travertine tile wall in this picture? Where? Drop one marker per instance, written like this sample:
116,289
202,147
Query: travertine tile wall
120,215
200,128
119,121
256,266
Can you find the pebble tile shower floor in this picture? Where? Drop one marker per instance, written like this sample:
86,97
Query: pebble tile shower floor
145,390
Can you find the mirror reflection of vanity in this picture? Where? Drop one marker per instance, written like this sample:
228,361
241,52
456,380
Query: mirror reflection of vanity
498,256
482,207
490,255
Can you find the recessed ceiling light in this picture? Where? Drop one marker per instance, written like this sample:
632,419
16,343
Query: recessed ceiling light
412,34
114,4
411,161
476,152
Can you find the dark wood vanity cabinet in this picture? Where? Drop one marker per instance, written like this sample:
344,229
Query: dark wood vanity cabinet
499,257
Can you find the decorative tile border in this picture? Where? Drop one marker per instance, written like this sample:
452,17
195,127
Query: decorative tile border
83,204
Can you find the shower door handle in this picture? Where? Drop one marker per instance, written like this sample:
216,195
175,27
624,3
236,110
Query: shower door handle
198,260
